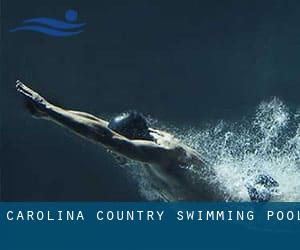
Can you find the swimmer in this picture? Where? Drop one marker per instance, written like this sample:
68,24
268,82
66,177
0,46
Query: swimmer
129,136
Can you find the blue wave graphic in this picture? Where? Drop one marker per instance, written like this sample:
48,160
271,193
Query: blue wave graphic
53,27
53,23
47,31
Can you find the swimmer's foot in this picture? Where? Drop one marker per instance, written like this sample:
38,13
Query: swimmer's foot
263,188
34,103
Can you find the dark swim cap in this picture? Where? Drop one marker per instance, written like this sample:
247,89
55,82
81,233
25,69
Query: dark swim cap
132,125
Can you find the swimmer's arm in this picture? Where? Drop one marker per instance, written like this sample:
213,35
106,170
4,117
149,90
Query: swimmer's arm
95,129
87,115
34,100
98,131
83,124
142,150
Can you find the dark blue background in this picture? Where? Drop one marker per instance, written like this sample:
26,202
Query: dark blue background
182,62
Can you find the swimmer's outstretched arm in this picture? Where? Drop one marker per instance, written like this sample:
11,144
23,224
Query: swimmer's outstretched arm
95,129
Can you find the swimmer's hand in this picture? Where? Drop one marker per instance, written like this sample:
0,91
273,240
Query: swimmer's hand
35,103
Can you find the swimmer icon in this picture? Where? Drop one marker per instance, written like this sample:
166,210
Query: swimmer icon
53,27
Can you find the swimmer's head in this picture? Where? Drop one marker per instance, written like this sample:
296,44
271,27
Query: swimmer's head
132,125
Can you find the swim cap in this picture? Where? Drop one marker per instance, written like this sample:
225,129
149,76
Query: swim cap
132,125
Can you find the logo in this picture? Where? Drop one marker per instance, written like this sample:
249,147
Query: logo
53,27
